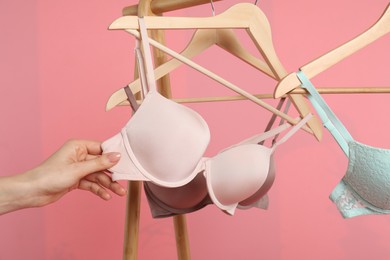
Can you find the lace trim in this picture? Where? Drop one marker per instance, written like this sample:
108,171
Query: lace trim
347,201
350,204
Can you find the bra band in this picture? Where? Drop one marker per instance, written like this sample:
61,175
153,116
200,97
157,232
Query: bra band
329,119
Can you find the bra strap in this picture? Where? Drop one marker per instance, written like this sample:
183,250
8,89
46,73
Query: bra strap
130,96
141,67
141,74
329,119
257,139
151,82
274,116
286,108
292,131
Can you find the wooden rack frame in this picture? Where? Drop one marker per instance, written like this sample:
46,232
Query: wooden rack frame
324,91
130,247
158,7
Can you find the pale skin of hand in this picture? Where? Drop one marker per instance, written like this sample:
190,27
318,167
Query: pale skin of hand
78,164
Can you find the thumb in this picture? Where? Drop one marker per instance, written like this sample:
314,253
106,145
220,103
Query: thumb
98,164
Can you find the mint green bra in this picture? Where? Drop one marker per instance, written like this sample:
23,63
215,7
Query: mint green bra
365,188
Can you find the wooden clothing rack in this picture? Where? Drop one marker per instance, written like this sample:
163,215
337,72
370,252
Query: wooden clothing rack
157,8
130,247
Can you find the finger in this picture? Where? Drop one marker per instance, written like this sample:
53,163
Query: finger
98,164
91,157
94,188
105,181
118,189
93,147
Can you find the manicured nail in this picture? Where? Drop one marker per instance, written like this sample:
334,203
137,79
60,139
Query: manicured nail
113,157
106,196
123,191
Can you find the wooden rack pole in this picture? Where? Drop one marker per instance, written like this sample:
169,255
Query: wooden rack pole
130,251
325,90
163,6
182,240
179,221
130,243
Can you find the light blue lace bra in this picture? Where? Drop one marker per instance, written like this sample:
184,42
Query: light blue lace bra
365,188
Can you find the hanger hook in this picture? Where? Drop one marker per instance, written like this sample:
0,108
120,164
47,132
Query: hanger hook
212,7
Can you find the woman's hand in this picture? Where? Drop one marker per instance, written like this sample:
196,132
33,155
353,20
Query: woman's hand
78,164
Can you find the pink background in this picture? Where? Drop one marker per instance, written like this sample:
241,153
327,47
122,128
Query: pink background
58,66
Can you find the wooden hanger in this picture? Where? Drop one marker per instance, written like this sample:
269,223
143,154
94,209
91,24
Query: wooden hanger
379,29
220,80
240,16
200,41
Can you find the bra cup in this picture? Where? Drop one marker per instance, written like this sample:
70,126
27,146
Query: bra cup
236,174
184,197
125,168
167,140
262,191
367,174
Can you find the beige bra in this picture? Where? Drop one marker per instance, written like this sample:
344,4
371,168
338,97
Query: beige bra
164,143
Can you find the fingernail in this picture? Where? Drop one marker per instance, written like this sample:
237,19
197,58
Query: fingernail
123,191
113,157
107,196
